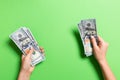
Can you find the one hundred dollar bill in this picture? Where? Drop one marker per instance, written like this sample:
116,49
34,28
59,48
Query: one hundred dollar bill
24,39
87,28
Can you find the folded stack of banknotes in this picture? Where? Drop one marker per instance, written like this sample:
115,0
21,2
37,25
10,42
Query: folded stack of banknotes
87,28
24,40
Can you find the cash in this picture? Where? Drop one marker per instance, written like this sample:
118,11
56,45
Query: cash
87,28
24,40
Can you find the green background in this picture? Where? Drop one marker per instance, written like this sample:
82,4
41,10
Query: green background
54,25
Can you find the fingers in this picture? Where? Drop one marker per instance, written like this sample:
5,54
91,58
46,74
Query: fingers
42,49
30,52
94,43
100,39
23,56
27,51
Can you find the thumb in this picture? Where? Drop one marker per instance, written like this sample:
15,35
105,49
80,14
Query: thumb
94,43
23,56
30,52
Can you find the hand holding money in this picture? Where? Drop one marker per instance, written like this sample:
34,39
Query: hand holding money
26,68
87,28
26,61
99,49
24,40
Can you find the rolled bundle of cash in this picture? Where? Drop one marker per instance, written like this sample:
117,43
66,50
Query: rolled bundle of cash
24,40
87,28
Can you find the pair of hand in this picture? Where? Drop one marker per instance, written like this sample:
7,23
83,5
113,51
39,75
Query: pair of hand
99,53
99,50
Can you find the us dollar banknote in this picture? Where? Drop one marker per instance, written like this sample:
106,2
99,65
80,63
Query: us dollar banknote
87,28
24,40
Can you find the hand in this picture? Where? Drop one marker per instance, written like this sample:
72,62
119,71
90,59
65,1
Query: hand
26,61
100,49
100,55
26,68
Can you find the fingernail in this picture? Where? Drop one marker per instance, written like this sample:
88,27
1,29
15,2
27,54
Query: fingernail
91,36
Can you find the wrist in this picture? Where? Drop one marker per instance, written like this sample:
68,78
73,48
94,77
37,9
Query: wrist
24,75
24,72
102,62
